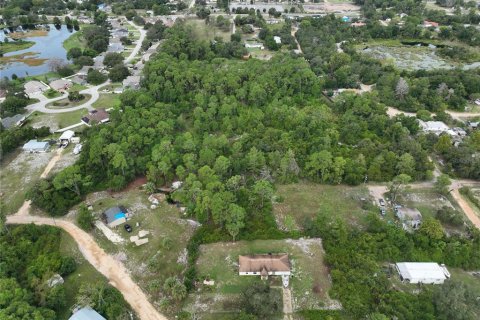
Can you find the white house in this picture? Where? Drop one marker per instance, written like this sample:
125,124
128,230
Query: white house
436,127
265,265
422,272
36,146
277,39
86,313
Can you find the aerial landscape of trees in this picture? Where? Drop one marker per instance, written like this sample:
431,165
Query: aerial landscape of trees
234,128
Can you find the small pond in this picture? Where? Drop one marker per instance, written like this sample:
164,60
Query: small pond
34,60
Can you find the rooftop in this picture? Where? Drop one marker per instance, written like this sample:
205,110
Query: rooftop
264,262
416,270
114,213
86,313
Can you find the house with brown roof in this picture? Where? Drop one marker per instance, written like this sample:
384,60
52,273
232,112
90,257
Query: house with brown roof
265,265
96,117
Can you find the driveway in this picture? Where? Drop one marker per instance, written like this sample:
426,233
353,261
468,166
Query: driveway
93,91
114,270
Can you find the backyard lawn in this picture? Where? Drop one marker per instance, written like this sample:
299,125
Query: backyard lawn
164,255
74,41
219,262
56,120
305,200
107,100
18,173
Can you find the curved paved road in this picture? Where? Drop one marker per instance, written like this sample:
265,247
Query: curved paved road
93,91
114,270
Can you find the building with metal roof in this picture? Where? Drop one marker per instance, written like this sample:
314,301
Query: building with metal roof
422,272
86,313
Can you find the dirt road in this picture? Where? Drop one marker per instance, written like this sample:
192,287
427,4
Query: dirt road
103,262
469,212
461,116
51,164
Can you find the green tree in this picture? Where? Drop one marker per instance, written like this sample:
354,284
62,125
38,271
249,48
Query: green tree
235,220
258,299
70,178
442,184
96,77
398,186
319,165
118,72
112,59
85,218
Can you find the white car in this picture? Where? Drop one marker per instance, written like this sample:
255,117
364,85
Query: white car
77,148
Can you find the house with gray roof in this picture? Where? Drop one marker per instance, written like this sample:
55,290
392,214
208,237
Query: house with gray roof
14,121
34,87
36,146
115,216
132,82
115,47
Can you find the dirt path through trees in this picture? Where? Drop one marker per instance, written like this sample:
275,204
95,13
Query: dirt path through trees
112,269
469,212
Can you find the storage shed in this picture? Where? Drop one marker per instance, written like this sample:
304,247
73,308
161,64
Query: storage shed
115,216
422,272
66,136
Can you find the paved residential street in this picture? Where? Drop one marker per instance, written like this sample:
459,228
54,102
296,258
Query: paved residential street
93,91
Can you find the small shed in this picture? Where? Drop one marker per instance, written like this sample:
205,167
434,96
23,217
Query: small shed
86,313
115,216
422,272
66,136
36,146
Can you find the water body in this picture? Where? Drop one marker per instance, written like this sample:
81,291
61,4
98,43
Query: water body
45,47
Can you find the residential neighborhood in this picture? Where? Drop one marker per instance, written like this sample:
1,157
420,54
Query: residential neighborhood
240,160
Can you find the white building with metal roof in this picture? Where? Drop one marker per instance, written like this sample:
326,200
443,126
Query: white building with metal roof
422,272
36,146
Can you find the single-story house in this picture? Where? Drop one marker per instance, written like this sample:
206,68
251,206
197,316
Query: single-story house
66,136
132,82
254,45
473,125
115,216
34,87
96,116
98,62
428,24
79,79
422,272
118,33
36,146
265,265
86,313
14,121
60,84
436,127
115,47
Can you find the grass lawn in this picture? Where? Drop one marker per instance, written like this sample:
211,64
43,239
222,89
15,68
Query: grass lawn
50,94
85,273
219,262
303,200
65,103
207,32
107,100
15,46
77,87
56,120
18,173
74,41
165,253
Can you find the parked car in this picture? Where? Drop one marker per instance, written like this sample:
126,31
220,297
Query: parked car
383,212
382,202
128,228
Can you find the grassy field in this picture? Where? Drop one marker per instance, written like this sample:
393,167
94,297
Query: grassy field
219,262
107,100
207,32
85,272
304,200
77,87
65,103
18,173
56,120
15,46
165,253
74,41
